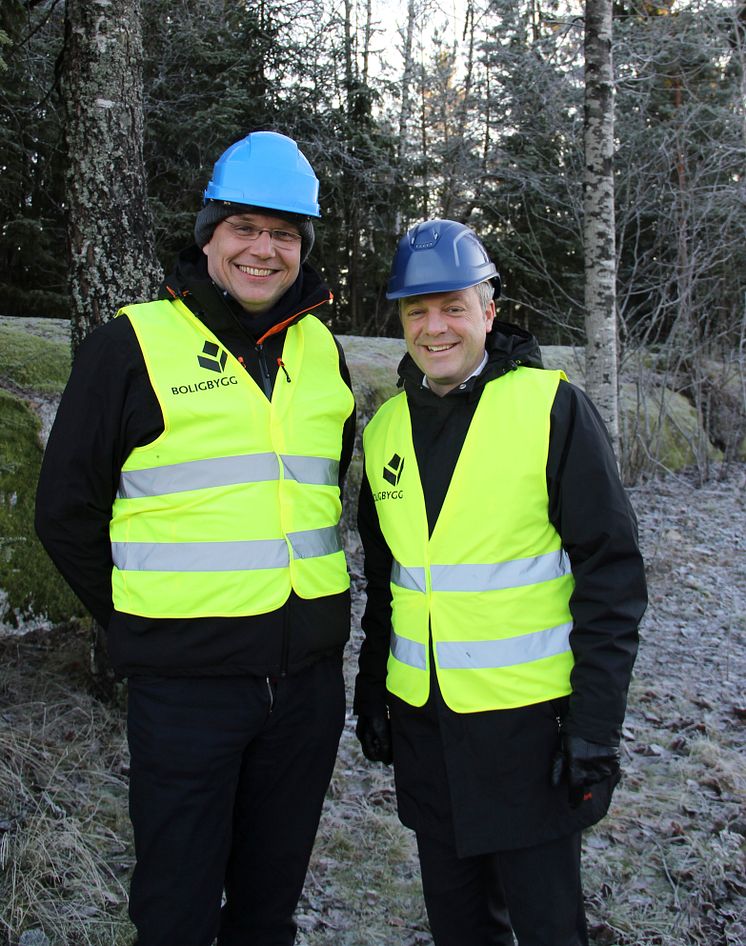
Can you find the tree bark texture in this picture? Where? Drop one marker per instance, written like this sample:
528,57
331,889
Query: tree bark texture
598,209
110,233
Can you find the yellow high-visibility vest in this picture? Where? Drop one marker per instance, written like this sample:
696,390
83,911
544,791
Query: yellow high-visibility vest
237,501
492,583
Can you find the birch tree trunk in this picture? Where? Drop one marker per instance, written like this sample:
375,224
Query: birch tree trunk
110,235
598,208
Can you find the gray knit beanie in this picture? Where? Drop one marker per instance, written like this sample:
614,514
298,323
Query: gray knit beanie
215,211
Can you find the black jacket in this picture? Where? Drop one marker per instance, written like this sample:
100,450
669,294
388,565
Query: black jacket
494,767
109,408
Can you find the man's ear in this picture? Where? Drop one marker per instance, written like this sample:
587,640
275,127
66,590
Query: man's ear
489,314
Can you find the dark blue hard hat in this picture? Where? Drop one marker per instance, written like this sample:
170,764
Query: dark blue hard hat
439,256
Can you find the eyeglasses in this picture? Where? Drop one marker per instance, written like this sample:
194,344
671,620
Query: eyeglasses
250,233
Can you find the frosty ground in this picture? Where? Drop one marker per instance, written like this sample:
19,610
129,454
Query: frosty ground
666,867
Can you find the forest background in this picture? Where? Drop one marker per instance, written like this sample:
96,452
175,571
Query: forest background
405,112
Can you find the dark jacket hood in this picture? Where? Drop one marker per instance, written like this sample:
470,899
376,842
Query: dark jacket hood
508,346
191,282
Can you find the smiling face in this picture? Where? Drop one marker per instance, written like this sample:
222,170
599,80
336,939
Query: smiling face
445,334
256,273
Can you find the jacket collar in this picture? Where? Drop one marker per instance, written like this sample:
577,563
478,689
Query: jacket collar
507,347
190,282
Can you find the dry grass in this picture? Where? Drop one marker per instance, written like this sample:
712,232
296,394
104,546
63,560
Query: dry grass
64,833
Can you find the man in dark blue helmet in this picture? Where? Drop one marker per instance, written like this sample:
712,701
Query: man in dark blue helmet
505,588
190,495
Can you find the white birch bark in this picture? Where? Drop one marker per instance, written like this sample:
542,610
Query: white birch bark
598,207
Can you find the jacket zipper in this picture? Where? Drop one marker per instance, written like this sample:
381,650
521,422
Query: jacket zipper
264,369
271,695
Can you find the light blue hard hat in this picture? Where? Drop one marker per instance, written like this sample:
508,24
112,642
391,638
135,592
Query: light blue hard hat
266,169
439,256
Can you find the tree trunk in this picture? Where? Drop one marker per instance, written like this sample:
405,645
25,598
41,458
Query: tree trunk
598,206
111,249
110,235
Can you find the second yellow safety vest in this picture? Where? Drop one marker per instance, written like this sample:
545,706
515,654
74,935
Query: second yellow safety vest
492,583
238,501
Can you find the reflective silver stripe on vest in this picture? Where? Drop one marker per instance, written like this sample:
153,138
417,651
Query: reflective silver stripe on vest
198,474
314,543
411,578
494,576
499,575
224,556
481,655
317,471
408,651
200,556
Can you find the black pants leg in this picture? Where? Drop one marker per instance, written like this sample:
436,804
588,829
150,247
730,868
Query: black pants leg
197,748
283,780
464,897
540,887
544,893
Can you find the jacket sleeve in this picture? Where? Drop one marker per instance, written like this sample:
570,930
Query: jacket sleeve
370,685
107,408
589,508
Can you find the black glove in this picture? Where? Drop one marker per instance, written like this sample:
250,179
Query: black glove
374,733
584,764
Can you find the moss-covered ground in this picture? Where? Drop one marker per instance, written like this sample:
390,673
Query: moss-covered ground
31,369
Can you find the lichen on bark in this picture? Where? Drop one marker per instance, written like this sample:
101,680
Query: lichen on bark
110,234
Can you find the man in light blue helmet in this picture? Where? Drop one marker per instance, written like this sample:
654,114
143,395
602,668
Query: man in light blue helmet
505,588
190,495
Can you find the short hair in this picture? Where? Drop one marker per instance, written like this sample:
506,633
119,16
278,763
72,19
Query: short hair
485,292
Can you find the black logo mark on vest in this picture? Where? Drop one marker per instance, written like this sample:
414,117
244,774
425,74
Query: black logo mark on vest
216,360
393,469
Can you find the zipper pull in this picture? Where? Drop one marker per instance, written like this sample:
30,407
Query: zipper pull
281,364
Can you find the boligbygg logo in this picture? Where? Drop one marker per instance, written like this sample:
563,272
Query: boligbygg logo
213,358
393,469
216,357
392,472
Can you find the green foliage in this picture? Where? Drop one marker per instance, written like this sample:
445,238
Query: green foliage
33,272
5,40
204,88
485,126
680,217
218,70
530,205
27,576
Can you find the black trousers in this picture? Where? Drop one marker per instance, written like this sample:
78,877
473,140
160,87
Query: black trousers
475,901
227,780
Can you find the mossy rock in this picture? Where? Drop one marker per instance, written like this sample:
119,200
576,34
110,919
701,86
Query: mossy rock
661,429
33,363
27,576
725,406
372,363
